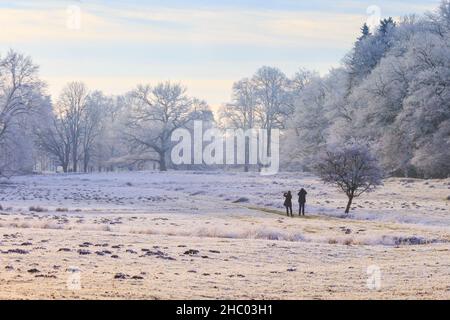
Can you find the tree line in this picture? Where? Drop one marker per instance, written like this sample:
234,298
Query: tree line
391,95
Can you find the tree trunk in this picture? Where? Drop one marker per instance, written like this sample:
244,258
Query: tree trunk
86,162
64,164
349,204
75,160
247,154
162,162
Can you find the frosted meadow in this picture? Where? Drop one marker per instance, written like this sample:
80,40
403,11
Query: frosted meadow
200,235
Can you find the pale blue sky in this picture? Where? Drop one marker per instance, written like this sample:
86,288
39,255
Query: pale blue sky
206,45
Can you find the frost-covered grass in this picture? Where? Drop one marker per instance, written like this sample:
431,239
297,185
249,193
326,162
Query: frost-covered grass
399,200
225,195
141,224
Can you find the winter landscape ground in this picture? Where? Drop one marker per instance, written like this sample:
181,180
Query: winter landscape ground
208,235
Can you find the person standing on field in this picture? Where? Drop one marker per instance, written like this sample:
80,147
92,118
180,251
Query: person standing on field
288,203
302,201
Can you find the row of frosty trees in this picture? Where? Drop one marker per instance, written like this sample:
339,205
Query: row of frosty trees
392,94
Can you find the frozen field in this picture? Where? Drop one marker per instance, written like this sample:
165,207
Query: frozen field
209,235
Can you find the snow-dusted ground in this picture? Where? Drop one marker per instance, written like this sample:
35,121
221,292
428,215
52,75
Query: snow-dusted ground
143,225
400,200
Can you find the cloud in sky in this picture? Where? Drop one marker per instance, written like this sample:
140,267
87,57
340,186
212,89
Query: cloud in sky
204,44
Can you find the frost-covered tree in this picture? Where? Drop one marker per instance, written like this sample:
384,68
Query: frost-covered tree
21,98
70,108
369,49
365,32
301,80
93,124
265,101
353,169
308,126
392,92
433,157
241,112
439,21
21,94
20,88
274,99
55,141
110,146
75,127
426,113
155,113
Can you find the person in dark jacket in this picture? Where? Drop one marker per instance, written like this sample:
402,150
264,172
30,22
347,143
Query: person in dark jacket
288,203
302,201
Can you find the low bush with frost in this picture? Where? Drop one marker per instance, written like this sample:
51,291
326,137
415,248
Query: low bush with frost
37,209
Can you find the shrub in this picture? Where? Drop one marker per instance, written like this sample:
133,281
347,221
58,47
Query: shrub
37,209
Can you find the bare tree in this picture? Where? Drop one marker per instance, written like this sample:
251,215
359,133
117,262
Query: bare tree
273,98
111,144
71,108
92,124
55,141
156,113
20,88
302,79
264,101
352,169
20,94
241,112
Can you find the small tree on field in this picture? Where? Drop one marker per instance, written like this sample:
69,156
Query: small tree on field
353,169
